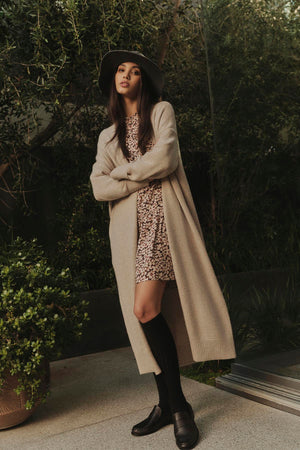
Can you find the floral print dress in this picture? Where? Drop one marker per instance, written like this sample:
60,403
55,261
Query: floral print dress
153,257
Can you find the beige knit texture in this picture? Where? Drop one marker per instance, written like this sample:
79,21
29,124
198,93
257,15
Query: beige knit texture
193,305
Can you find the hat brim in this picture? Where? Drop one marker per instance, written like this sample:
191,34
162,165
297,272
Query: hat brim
112,59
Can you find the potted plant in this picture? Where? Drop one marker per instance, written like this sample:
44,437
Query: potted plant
40,313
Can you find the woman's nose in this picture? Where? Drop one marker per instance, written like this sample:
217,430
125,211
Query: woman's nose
126,75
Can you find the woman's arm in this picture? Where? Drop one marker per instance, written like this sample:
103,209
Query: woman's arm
162,159
104,187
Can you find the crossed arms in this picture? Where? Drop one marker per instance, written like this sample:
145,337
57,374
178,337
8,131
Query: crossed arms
110,182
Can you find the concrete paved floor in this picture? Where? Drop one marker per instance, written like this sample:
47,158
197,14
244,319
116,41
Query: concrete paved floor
95,399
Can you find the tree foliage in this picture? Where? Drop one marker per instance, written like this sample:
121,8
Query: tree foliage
238,140
253,49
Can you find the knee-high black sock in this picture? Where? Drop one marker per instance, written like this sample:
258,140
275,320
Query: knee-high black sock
162,391
163,347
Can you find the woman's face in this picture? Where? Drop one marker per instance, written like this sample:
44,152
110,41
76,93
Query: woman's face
128,79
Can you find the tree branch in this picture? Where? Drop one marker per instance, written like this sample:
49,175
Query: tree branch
46,134
166,40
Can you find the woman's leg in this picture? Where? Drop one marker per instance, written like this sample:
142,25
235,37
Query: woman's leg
162,391
147,305
148,297
147,308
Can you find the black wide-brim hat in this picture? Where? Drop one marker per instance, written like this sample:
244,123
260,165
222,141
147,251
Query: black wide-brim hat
111,61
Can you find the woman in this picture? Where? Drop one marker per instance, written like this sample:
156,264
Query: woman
171,302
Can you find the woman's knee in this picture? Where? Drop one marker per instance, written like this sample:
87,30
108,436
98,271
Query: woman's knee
144,314
148,297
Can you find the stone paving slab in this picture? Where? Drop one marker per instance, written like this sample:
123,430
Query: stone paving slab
96,399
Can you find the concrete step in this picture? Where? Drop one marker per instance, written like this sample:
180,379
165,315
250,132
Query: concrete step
279,391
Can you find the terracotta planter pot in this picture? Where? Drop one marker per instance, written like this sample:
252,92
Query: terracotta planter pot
12,406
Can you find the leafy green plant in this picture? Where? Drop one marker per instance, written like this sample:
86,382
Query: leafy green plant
275,318
40,313
265,319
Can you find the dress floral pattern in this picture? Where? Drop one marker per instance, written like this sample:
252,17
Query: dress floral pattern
153,257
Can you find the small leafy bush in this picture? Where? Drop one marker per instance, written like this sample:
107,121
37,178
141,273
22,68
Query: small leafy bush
84,245
40,313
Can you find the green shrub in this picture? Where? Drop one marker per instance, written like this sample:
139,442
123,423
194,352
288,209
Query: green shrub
84,246
40,311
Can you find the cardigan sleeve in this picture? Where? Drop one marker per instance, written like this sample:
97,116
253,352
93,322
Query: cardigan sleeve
163,158
105,188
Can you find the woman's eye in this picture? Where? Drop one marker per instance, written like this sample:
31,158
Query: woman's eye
136,72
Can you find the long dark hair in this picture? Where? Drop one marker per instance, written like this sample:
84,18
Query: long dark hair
146,99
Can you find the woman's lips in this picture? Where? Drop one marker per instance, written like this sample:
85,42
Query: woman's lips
124,84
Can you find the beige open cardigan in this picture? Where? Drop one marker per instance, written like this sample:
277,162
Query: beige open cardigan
193,305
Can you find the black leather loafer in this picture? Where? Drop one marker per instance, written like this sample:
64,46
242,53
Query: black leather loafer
185,429
154,422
